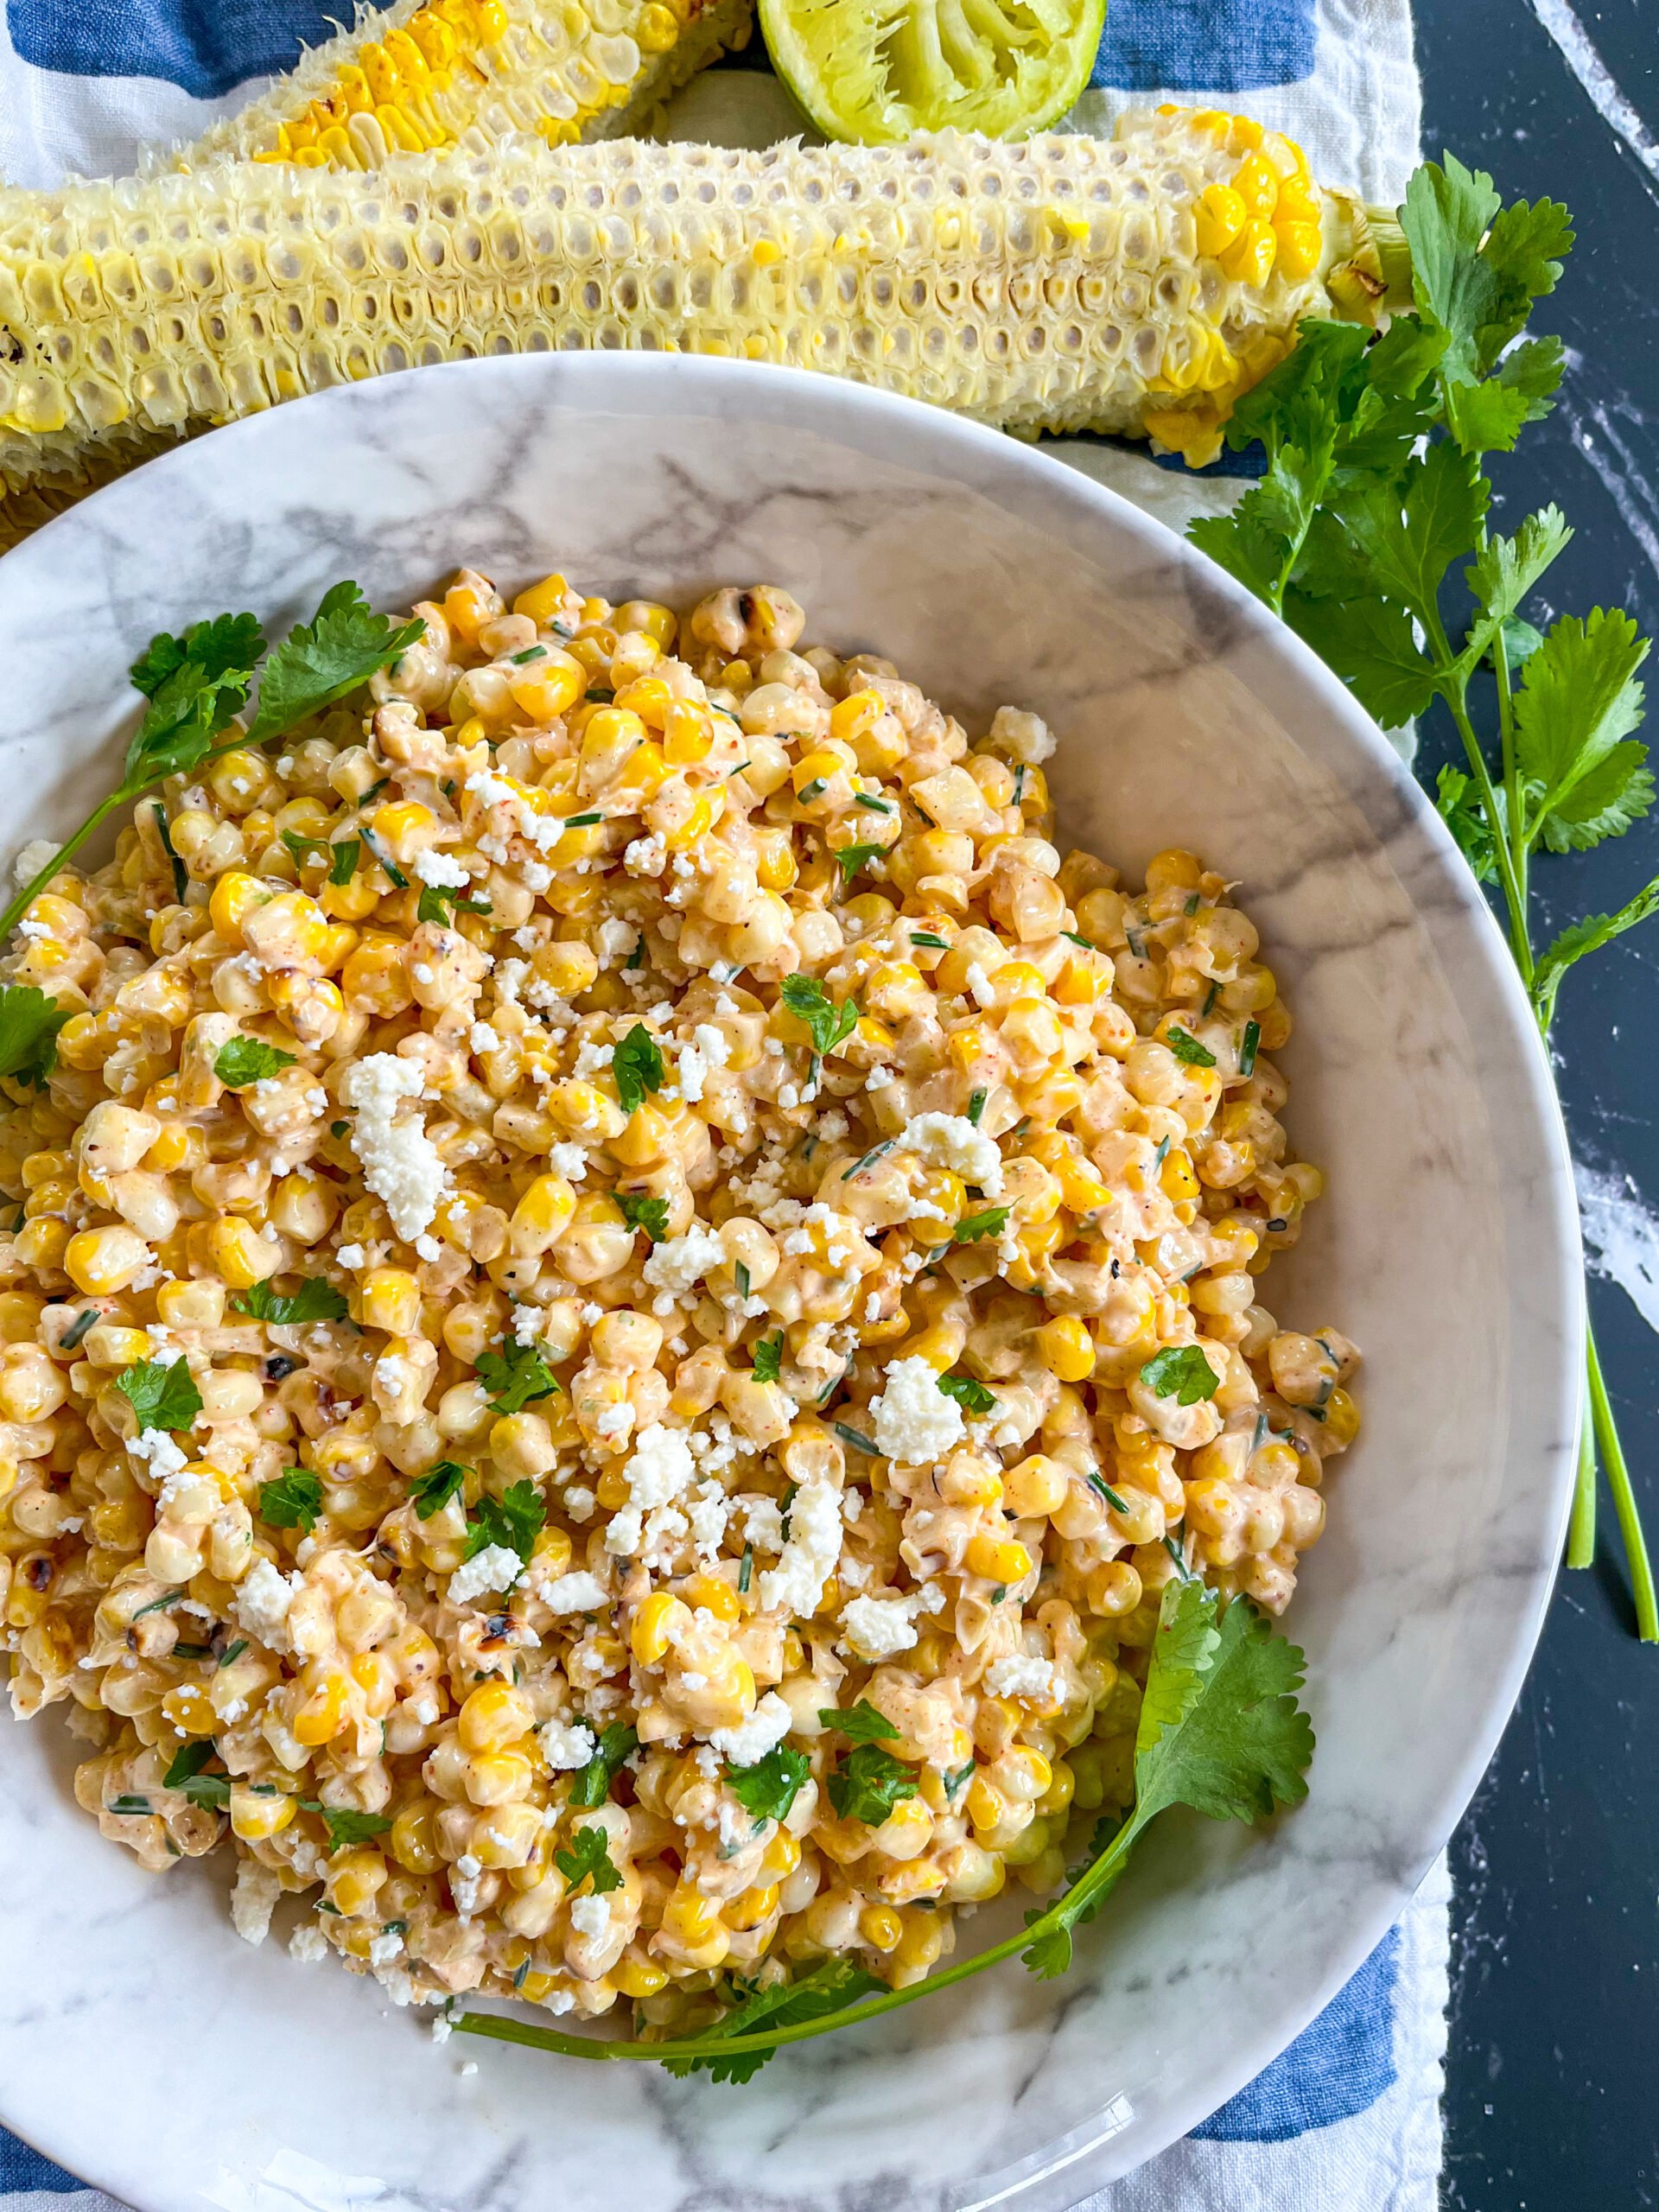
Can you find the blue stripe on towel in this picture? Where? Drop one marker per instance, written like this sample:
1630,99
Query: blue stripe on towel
1339,2066
1221,46
204,47
21,2168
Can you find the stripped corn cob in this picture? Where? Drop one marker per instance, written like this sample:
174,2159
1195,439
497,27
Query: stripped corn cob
427,74
1059,284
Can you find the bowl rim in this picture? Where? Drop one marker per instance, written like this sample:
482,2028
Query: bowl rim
843,411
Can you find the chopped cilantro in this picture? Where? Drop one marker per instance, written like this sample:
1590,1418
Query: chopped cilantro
768,1358
249,1060
516,1375
649,1214
770,1786
1181,1372
637,1064
162,1396
293,1501
974,1226
435,1489
315,1300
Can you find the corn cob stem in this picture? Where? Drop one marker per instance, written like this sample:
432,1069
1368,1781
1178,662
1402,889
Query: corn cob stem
1060,284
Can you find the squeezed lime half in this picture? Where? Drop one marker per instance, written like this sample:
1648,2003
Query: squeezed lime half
878,71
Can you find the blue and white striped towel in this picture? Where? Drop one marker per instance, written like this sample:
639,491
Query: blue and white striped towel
1349,2119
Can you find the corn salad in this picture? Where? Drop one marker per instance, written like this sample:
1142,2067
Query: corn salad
787,1240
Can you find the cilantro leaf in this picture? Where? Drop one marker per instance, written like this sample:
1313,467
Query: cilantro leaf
516,1375
196,686
1181,1372
768,1358
514,1519
1371,645
771,1786
618,1743
1187,1049
588,1860
436,1487
441,902
973,1226
219,647
649,1214
850,858
340,858
185,1773
293,1501
1588,936
161,1397
860,1724
29,1022
315,1300
868,1783
346,1826
1579,696
1505,570
1466,818
323,660
249,1060
637,1064
1410,536
1607,798
970,1394
832,1986
809,1002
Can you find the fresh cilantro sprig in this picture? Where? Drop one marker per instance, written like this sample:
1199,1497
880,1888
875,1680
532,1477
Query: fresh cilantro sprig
637,1064
435,1489
29,1022
195,686
588,1860
770,1786
642,1212
809,1002
514,1519
247,1060
294,1500
1371,534
617,1743
1181,1372
187,1772
1220,1731
315,1300
164,1395
516,1375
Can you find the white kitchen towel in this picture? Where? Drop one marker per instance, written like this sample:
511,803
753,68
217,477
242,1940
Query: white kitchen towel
1348,2120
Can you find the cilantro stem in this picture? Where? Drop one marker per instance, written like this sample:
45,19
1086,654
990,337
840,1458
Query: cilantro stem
32,890
1619,1481
1581,1531
1514,810
1452,691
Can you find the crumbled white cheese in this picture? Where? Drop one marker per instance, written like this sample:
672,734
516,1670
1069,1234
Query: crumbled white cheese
915,1422
308,1943
951,1141
253,1899
399,1162
616,939
262,1601
33,858
435,867
566,1745
383,1949
591,1917
1023,736
156,1446
1019,1676
646,855
573,1593
496,1567
811,1552
878,1627
352,1256
591,1058
480,1038
753,1738
675,1264
658,1469
708,1049
569,1160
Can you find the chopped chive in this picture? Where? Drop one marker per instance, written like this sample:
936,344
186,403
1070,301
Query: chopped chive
158,1604
1210,998
339,1129
738,771
1088,943
383,859
808,792
746,1571
872,1155
976,1106
742,1275
599,692
926,937
530,652
581,821
1019,785
1193,904
859,1443
1098,1482
163,830
129,1806
77,1328
373,792
875,805
1247,1050
1161,1155
235,1652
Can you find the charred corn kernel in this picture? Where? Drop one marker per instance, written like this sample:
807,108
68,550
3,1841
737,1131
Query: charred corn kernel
880,1928
1341,1417
689,1916
238,1255
999,359
413,1841
99,1260
354,1879
390,1301
494,1715
999,1560
659,1619
749,1909
638,1977
321,1714
1066,1350
257,1815
544,601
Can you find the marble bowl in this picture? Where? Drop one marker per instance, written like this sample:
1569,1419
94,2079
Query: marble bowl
145,2047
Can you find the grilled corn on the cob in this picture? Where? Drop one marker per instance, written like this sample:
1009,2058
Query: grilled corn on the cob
426,74
1065,283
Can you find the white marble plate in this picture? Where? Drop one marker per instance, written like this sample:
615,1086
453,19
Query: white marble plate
144,2045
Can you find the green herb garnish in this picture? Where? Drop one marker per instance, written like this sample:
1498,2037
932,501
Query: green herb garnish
249,1060
212,1791
850,858
293,1501
315,1300
649,1214
435,1489
1188,1049
770,1786
163,1396
860,1724
515,1520
588,1860
637,1064
971,1395
1181,1372
617,1743
516,1375
868,1783
768,1358
29,1022
972,1227
1252,1038
809,1002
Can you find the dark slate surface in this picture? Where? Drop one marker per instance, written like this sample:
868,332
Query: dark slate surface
1553,2074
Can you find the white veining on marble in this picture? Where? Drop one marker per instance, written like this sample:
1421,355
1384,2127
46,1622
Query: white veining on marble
1621,1236
1609,456
1605,93
1445,1245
